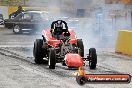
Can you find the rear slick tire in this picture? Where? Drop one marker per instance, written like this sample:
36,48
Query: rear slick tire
52,58
37,51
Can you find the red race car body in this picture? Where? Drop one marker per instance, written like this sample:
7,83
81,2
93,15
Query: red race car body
54,42
73,60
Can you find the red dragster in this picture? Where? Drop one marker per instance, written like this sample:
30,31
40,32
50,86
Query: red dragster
65,48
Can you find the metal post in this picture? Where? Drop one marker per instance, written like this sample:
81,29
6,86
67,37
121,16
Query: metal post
99,27
131,19
99,17
24,2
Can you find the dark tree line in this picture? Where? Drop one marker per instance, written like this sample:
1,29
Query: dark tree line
13,2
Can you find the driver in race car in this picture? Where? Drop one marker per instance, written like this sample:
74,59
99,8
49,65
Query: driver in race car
58,28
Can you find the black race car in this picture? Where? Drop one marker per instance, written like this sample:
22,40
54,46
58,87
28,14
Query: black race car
28,21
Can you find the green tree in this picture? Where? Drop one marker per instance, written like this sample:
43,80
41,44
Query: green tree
13,2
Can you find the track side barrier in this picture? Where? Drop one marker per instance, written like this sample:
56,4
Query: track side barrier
124,42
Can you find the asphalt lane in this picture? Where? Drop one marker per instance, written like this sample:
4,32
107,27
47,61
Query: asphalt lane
8,38
18,70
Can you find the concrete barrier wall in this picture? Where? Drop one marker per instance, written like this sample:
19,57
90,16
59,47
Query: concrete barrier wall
4,11
124,42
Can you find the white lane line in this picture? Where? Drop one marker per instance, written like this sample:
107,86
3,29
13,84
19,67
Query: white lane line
15,42
16,45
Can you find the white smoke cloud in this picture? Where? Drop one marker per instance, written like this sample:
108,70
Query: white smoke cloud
99,31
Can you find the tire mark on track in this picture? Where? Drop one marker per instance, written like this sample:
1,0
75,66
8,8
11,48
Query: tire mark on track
9,53
65,76
59,72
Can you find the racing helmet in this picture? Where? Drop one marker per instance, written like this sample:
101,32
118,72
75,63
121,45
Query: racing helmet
58,26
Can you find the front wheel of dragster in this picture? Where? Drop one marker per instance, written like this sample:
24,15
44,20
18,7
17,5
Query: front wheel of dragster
38,51
52,58
92,58
81,80
80,46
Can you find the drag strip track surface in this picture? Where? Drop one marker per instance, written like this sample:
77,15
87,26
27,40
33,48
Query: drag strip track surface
41,76
18,70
